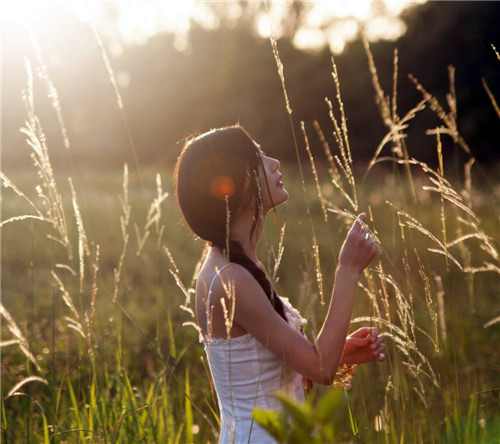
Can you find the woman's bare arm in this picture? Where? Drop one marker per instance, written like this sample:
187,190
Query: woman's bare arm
318,361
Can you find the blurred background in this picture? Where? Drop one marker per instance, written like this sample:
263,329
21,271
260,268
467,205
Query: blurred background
186,66
90,299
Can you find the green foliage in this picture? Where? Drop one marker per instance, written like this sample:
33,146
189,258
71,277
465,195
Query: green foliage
302,422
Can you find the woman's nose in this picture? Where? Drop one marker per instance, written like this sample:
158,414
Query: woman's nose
276,164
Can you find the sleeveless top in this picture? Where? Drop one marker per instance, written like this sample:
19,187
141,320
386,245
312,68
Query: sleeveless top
246,375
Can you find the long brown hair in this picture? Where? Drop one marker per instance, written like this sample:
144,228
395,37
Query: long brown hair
218,172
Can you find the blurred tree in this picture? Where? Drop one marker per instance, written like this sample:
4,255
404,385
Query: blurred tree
228,74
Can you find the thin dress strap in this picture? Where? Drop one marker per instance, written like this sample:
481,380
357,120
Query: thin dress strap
218,272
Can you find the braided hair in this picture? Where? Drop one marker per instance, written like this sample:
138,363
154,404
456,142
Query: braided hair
216,173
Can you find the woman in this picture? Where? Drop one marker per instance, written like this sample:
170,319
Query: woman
225,186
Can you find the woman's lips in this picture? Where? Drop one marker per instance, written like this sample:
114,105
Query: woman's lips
279,183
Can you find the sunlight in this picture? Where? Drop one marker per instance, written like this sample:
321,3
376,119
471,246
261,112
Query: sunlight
20,12
139,20
326,22
343,21
136,20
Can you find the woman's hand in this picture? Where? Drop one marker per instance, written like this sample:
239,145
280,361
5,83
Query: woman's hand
364,345
358,249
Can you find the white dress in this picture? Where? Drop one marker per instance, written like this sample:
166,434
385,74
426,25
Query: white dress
246,375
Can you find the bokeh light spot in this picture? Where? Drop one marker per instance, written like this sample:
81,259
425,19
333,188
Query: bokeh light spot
222,187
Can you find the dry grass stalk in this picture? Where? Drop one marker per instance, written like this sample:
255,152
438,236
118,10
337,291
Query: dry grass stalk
7,183
388,112
279,256
14,390
496,52
449,119
89,315
441,187
381,99
315,173
83,247
487,243
230,293
141,240
491,97
429,302
119,101
19,337
153,217
47,191
107,64
20,218
492,322
279,65
53,95
396,135
228,219
343,118
405,260
371,292
416,225
333,170
124,222
174,271
66,267
441,311
394,100
74,323
281,73
344,164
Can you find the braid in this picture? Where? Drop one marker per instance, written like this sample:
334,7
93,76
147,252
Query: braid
238,256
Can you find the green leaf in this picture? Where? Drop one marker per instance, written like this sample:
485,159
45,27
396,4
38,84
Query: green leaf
189,410
300,413
46,438
327,405
273,422
173,350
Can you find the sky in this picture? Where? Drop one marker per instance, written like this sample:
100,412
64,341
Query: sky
327,22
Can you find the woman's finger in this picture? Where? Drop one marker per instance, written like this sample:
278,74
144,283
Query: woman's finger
359,342
374,334
377,342
362,333
356,228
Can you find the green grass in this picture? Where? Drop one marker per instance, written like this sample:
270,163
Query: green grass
134,383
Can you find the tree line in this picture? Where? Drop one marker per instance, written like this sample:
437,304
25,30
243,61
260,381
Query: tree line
228,74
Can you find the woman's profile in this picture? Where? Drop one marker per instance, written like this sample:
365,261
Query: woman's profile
225,186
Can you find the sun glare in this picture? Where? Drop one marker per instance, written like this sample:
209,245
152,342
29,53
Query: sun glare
344,19
136,20
326,22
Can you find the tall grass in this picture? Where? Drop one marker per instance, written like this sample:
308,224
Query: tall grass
103,353
424,368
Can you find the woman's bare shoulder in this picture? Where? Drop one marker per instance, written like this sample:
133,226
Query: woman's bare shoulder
223,281
218,274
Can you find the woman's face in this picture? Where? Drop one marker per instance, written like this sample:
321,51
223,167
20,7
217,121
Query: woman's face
272,187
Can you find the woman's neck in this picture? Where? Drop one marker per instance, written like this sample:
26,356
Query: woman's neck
241,232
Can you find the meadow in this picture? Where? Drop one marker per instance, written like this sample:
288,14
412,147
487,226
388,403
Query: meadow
98,336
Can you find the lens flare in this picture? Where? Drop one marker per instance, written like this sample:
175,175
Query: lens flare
222,187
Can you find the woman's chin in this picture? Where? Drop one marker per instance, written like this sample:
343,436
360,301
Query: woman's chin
283,197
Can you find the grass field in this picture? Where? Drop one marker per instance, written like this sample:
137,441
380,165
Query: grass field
96,289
